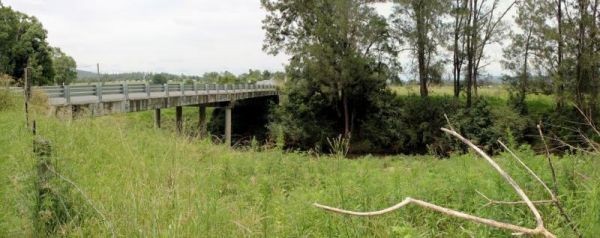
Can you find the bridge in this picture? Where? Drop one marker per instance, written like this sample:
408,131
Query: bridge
104,99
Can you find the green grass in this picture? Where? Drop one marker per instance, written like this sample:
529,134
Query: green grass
496,95
153,183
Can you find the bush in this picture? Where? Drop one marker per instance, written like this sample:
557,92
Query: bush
409,125
484,126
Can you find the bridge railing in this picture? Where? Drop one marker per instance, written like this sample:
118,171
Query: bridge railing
171,89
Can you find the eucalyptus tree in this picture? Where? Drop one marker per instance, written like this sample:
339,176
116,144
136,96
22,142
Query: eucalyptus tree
22,44
528,49
459,12
420,23
64,66
341,57
484,26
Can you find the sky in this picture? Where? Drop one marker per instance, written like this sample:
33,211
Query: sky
174,36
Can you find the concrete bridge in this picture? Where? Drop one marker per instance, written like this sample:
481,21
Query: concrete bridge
107,99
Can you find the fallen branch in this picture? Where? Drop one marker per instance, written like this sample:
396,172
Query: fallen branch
539,230
554,198
492,202
447,211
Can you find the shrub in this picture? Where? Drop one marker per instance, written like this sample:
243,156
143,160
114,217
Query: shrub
485,126
409,125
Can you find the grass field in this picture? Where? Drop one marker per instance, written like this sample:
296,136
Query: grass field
153,183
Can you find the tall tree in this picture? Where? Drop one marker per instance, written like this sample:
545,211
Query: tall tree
65,68
459,10
526,47
340,59
484,27
420,23
23,43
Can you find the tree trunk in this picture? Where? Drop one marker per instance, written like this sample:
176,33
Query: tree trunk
346,115
561,79
456,69
470,52
474,46
421,41
580,58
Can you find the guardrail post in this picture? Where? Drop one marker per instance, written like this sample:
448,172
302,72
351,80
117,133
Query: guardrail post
195,88
167,89
99,91
67,92
125,90
148,89
182,88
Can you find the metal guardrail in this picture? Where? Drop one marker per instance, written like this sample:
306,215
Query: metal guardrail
98,90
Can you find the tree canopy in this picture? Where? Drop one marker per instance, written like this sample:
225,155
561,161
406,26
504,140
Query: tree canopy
22,44
341,60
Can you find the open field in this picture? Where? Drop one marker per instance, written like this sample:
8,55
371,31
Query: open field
153,183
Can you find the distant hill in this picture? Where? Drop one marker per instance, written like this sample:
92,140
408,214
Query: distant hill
86,75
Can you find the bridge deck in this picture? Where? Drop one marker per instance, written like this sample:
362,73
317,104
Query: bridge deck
117,98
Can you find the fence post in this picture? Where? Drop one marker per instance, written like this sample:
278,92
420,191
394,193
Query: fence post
195,88
182,88
167,89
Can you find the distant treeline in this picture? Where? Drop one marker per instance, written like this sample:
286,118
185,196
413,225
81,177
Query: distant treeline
252,76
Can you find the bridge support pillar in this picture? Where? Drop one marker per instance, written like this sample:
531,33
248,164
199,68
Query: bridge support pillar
157,117
228,124
202,121
179,119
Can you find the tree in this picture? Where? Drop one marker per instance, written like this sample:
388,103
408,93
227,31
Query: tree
340,60
420,23
526,48
65,68
484,26
159,79
22,44
459,10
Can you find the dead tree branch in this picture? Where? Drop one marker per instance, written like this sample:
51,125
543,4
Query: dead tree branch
496,202
539,230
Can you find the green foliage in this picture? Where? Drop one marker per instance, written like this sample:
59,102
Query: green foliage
7,100
23,43
154,183
336,73
65,68
485,125
159,79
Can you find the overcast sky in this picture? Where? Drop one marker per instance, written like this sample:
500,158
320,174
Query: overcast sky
175,36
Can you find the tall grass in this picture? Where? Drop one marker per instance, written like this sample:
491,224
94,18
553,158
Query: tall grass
153,183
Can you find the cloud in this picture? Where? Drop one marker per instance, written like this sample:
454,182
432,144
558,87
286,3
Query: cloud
176,36
181,36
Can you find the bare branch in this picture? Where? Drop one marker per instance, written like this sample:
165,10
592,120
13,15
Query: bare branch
447,211
539,230
492,202
555,194
510,180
